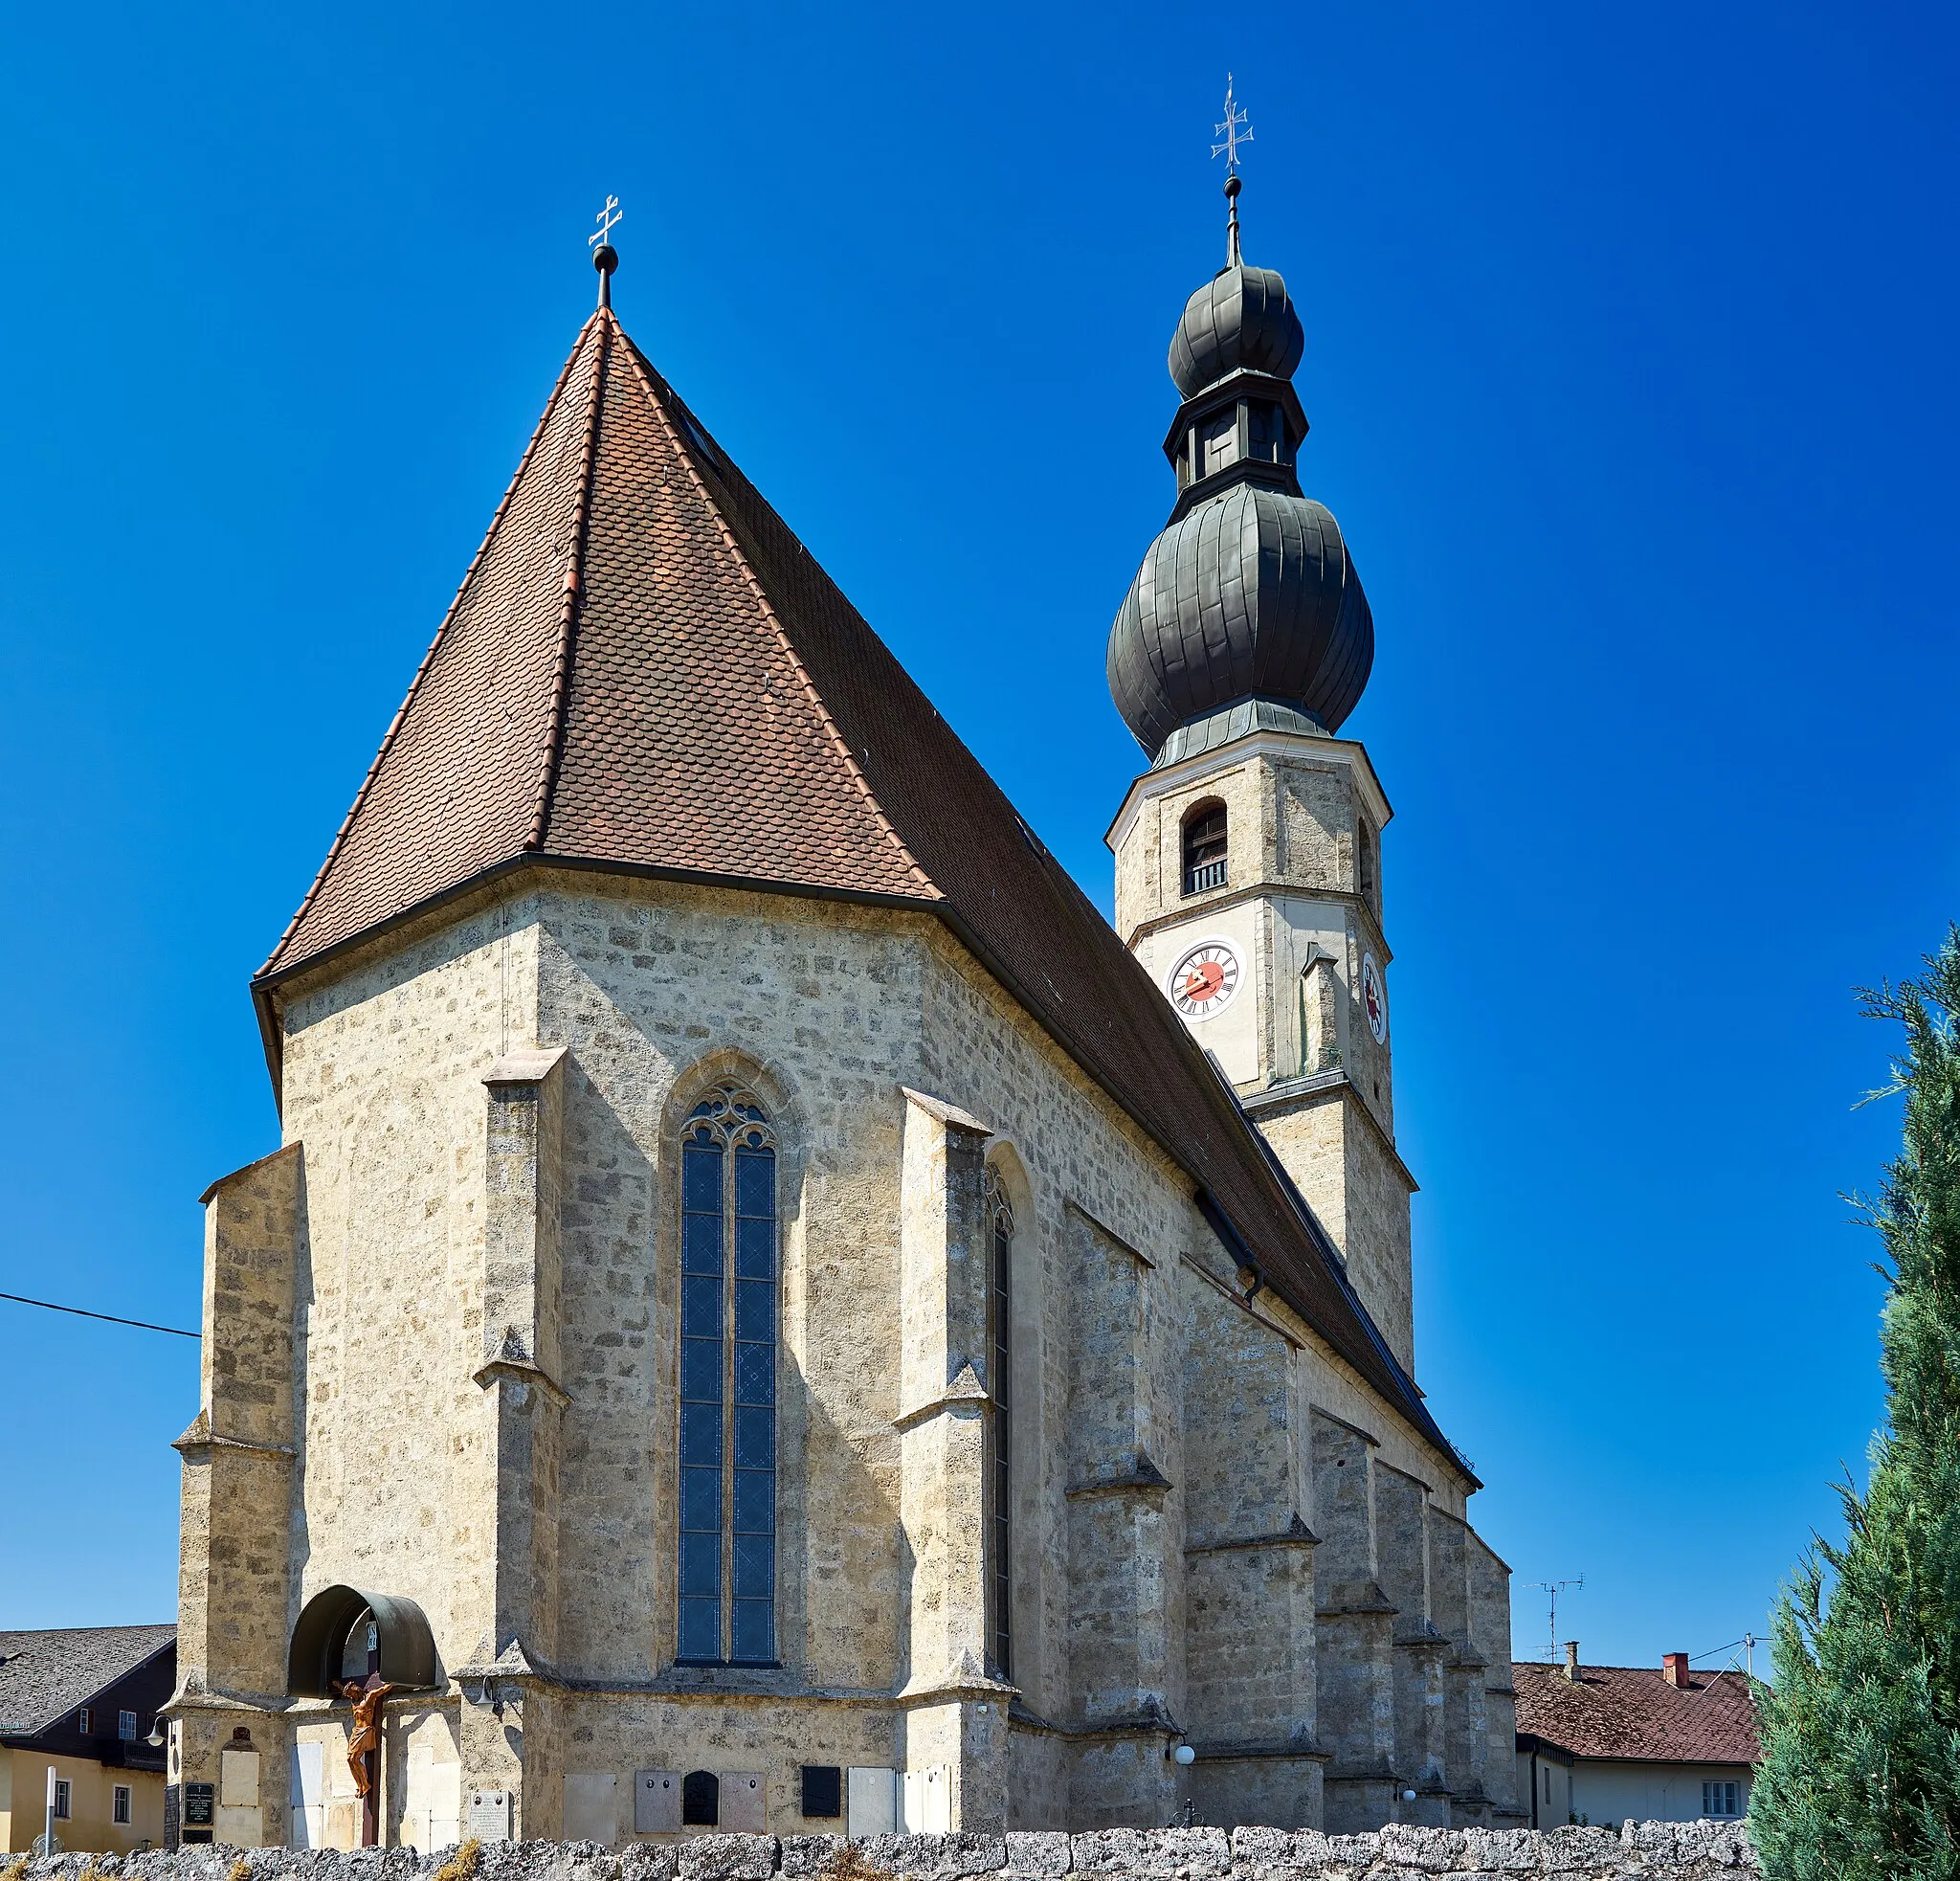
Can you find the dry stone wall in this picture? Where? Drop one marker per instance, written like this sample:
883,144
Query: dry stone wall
1665,1851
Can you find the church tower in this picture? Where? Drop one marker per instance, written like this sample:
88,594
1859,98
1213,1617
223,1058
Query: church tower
1248,856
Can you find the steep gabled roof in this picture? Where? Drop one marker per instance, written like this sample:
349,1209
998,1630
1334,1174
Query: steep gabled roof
45,1674
1636,1712
645,668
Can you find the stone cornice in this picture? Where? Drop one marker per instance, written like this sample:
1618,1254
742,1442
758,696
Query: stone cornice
200,1438
962,1396
1330,753
1145,1480
1326,1083
1295,1534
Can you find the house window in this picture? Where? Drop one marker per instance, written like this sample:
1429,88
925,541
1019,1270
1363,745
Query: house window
1204,848
63,1792
727,1383
118,1809
1721,1800
85,1721
125,1725
1000,1225
701,1799
1547,1785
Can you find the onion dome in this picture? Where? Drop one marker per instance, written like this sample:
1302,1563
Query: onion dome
1249,594
1241,317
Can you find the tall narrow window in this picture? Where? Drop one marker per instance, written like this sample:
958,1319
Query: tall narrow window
1204,848
1000,1225
728,1382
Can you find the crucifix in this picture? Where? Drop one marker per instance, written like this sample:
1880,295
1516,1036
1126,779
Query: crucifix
363,1741
606,219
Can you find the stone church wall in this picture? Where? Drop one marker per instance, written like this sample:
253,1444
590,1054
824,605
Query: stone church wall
484,1302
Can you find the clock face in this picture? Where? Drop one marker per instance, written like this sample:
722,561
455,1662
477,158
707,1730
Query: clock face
1204,982
1374,998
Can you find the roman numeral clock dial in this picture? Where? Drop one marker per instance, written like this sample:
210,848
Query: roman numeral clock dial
1203,982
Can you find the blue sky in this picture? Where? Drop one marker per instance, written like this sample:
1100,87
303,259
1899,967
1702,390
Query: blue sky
1631,370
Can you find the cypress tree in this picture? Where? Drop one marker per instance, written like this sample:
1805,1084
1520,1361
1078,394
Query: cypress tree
1861,1773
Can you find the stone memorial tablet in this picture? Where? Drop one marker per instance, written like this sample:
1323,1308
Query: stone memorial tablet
489,1815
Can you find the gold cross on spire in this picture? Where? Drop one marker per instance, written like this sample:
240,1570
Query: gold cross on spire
606,219
1234,130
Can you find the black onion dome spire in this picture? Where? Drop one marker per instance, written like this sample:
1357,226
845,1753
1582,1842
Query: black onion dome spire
1247,609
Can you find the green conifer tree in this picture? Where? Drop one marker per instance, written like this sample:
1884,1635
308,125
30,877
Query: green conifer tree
1861,1773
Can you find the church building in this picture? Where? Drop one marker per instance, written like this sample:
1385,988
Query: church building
768,1313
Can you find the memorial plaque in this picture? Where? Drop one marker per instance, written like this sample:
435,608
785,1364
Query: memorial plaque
489,1815
743,1811
656,1802
200,1804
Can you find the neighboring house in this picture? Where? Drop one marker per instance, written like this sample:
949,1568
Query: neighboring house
83,1700
1601,1743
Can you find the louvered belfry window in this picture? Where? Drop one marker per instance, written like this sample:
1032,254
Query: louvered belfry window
728,1382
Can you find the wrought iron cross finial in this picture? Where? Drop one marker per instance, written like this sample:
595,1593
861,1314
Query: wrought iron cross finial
1234,130
606,219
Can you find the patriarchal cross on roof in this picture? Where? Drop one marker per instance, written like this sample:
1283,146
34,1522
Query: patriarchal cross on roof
1234,130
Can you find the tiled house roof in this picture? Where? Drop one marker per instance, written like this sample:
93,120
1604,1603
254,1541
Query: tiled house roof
1635,1713
45,1674
645,669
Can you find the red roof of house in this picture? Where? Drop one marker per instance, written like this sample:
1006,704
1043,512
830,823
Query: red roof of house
644,670
1636,1712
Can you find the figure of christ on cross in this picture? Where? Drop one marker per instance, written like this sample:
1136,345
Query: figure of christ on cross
364,1749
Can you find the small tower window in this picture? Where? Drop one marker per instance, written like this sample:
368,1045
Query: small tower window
1265,433
1366,875
1220,440
1204,849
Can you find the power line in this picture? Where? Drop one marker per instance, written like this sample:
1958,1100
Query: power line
82,1313
1714,1649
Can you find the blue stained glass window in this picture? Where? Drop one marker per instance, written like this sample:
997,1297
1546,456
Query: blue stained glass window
728,1226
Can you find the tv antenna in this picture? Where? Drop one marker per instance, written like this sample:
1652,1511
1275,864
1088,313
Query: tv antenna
1553,1589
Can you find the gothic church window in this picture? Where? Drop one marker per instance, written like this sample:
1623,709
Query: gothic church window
1204,848
1000,1231
727,1383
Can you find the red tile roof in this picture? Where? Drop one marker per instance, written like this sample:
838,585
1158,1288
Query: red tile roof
1632,1711
645,668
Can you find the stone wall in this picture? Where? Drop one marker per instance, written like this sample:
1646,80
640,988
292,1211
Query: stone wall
468,1250
1668,1851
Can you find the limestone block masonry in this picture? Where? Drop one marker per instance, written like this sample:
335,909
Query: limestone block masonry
1045,1507
1300,903
1664,1851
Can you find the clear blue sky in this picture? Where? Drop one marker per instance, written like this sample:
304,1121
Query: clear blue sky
1630,363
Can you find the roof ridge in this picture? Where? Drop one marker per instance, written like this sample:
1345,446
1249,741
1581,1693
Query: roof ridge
567,620
644,373
395,724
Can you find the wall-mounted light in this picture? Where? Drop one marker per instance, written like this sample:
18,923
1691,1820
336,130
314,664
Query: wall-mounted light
1184,1753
